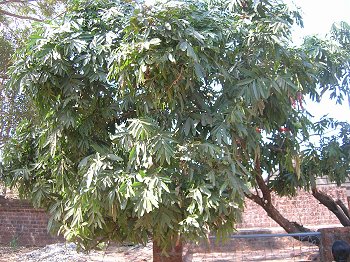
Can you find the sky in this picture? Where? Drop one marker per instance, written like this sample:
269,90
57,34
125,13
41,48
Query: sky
318,17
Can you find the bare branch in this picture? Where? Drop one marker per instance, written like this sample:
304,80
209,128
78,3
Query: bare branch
20,16
261,183
3,76
276,149
255,198
287,225
343,207
332,206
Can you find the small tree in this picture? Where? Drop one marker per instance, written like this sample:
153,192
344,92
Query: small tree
152,116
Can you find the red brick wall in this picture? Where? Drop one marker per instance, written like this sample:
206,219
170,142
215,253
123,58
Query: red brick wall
303,208
21,224
329,235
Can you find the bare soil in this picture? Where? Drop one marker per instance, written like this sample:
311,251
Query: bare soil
67,253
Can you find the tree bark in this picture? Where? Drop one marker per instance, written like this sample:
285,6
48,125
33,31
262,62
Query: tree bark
287,225
265,201
332,206
20,16
172,255
343,207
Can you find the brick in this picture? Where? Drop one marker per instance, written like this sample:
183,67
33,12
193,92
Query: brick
304,209
17,216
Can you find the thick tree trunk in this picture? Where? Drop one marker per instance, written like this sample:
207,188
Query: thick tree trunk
332,205
173,255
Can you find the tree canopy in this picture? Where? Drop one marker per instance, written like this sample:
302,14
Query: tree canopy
17,19
32,10
157,120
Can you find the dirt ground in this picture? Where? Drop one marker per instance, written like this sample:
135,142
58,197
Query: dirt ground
67,253
62,253
9,254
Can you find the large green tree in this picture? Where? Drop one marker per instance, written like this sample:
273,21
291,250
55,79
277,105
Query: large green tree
157,121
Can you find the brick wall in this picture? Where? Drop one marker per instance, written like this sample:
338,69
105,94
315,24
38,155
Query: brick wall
21,224
303,208
329,235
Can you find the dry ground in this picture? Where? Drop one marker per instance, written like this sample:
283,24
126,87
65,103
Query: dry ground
67,253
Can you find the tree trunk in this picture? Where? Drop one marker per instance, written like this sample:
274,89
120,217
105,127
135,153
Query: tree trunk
265,201
173,255
288,226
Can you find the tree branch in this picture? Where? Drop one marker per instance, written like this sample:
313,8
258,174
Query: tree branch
3,76
276,149
20,16
332,206
261,183
343,207
255,198
16,1
266,203
288,226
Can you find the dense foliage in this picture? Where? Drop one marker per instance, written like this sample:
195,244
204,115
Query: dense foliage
17,19
157,120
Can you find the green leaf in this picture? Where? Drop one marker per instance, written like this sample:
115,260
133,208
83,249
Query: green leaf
199,71
114,157
188,126
183,46
171,58
190,52
245,82
155,41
